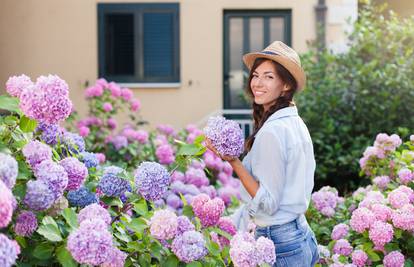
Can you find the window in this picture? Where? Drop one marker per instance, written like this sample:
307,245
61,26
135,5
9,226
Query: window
139,43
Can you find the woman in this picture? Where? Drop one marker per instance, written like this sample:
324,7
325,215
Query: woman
277,173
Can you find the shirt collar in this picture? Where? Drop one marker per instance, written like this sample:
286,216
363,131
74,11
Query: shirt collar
284,112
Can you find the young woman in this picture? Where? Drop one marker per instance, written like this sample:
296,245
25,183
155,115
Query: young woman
277,173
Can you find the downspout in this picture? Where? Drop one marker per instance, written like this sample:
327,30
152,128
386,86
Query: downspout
320,10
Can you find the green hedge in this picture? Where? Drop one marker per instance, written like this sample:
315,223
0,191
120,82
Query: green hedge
353,96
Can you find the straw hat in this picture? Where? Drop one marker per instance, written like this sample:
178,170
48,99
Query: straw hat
283,54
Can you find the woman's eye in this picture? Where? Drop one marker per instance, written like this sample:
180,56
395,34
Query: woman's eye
269,77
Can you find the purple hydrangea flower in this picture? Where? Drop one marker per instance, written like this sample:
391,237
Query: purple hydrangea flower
111,183
325,200
76,170
36,152
119,142
51,133
38,195
165,154
74,142
184,225
6,205
16,84
81,197
117,259
189,246
8,170
394,259
54,176
225,135
26,223
163,224
196,177
8,251
152,180
48,101
90,160
92,212
209,190
243,250
174,201
91,243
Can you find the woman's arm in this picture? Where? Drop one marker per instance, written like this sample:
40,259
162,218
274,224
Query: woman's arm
249,183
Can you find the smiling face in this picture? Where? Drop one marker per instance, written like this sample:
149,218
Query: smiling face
266,85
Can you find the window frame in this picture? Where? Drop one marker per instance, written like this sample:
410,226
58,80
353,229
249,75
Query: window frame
138,10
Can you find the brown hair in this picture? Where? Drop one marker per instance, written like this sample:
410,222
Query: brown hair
259,115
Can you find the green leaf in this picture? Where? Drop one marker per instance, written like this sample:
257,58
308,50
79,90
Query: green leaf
188,211
398,233
70,217
213,248
43,251
171,261
141,207
188,150
373,256
65,258
144,259
9,103
137,225
194,264
49,229
27,125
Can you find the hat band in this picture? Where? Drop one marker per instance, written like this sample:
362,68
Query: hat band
269,52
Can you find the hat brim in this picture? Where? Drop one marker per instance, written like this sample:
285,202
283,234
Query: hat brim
297,72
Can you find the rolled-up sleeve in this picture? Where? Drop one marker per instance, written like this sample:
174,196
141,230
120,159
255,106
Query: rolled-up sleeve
268,167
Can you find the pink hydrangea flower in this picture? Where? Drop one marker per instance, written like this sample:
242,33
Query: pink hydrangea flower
382,181
207,210
381,212
361,219
135,104
403,218
107,107
164,224
405,176
126,94
339,231
342,247
6,205
359,258
394,259
398,198
16,84
381,233
84,131
165,154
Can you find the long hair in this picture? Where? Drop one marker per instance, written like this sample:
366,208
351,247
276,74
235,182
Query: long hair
285,100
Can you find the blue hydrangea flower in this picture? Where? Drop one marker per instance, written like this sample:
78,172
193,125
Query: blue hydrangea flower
152,180
111,183
81,197
54,175
74,142
89,159
50,133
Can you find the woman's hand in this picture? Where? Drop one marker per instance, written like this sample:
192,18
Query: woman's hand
223,157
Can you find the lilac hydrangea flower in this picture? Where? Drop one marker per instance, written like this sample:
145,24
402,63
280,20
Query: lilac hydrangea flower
36,152
325,200
405,176
6,205
51,133
91,243
225,135
81,197
266,251
16,84
26,223
339,231
53,175
394,259
243,250
8,170
74,142
48,101
152,180
184,225
8,251
76,170
117,259
382,181
189,246
111,183
163,224
174,201
38,195
342,247
94,211
90,160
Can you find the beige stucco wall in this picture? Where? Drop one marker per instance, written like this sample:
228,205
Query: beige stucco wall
60,37
404,8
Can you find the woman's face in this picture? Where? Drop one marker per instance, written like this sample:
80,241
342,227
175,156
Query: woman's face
266,85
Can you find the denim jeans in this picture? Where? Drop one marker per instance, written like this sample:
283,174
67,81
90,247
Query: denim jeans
295,243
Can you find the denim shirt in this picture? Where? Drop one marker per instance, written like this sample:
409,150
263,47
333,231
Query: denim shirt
282,161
